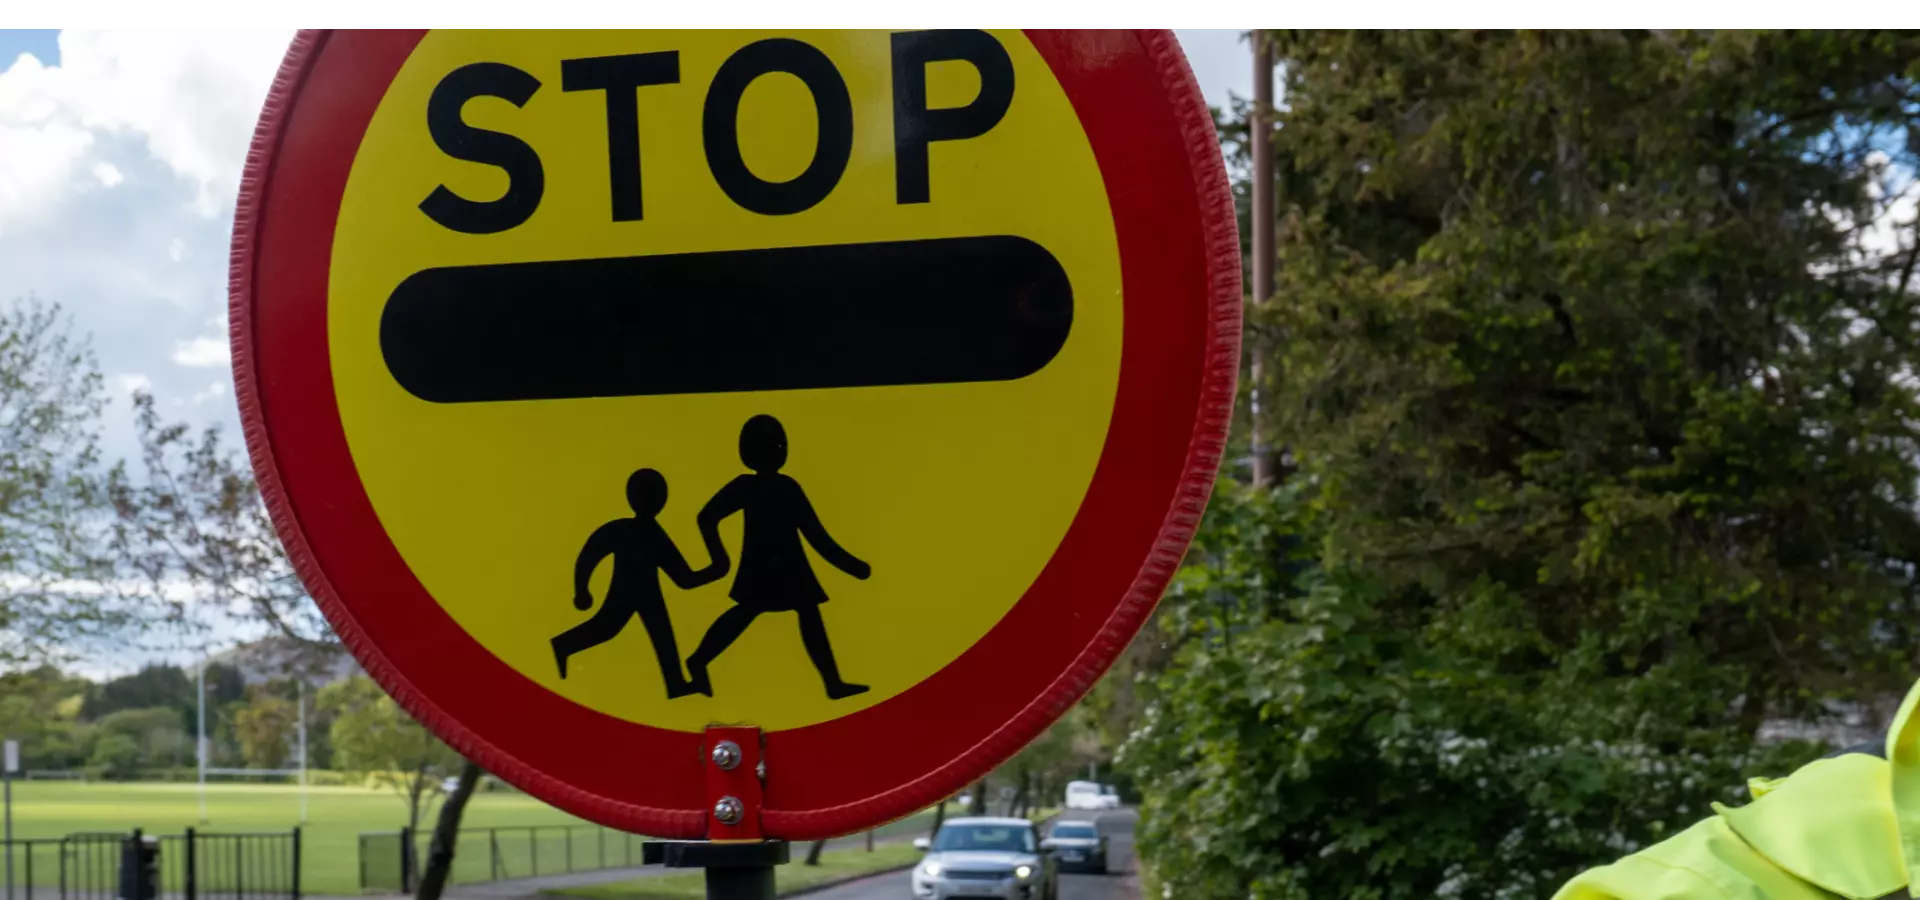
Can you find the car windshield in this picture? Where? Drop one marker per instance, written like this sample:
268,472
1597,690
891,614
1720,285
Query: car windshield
1075,831
1000,838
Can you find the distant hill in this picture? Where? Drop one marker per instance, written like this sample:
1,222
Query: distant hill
277,657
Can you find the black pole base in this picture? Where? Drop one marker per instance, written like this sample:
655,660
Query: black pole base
735,871
755,883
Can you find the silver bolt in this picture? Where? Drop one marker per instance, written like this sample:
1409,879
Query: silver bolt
726,755
728,810
760,769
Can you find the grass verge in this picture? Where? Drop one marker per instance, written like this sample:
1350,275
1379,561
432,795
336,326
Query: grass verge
835,865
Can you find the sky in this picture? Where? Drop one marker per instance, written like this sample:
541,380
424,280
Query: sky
122,157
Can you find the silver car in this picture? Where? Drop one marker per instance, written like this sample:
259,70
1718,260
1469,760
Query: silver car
985,858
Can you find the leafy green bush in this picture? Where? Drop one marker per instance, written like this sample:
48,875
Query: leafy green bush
1324,741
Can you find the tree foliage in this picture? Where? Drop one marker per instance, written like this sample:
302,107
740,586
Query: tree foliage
56,587
266,727
372,736
60,719
1594,354
1317,738
197,517
39,708
151,686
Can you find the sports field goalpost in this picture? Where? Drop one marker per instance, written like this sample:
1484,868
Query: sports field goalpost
201,747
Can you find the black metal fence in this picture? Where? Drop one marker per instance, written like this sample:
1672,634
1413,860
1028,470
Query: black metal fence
195,865
76,867
391,860
231,865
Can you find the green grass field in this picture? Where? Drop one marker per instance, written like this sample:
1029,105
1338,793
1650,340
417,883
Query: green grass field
329,838
336,816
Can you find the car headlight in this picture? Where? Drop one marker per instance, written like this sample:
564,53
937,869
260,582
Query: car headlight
1023,872
931,869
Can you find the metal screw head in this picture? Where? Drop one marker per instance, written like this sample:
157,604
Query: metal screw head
726,754
760,769
728,810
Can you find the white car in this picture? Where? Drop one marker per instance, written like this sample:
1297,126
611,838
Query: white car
1083,795
1109,798
985,857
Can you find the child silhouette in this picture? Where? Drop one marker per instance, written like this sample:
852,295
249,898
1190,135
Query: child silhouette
641,550
774,575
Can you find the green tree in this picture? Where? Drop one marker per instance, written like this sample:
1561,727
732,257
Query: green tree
266,727
1040,771
153,686
154,731
39,707
373,737
1594,356
116,755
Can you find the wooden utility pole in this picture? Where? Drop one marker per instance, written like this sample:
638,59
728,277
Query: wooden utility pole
1260,124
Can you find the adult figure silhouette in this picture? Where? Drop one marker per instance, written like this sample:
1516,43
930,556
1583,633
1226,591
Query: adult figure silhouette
641,550
774,575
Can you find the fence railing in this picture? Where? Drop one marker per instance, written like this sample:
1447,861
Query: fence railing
82,866
194,865
392,860
231,865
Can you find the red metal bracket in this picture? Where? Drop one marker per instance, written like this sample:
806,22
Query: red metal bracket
734,762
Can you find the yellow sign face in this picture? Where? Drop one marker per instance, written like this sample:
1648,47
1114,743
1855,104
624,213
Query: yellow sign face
813,299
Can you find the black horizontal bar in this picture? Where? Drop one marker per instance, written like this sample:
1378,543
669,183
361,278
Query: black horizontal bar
940,311
714,855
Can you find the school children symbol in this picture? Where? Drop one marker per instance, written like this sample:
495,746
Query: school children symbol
774,574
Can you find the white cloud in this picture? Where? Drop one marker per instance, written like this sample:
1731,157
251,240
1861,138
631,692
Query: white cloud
176,248
212,391
193,96
190,97
41,148
132,383
201,352
107,174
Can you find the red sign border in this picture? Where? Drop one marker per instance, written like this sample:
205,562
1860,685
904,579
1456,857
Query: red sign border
1174,216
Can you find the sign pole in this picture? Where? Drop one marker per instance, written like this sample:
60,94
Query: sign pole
200,745
301,687
1260,123
11,765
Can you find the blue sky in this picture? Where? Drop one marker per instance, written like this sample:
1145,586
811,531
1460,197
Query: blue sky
123,153
41,42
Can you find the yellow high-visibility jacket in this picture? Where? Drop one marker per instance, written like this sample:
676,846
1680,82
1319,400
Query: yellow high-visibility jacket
1845,826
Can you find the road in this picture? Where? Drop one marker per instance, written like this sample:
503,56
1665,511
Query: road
1123,883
